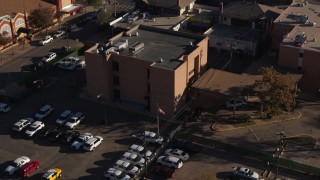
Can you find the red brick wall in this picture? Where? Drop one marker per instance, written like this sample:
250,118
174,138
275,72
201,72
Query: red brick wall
278,31
288,56
311,65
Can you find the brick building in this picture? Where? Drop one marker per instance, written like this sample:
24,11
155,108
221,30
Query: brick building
145,67
296,37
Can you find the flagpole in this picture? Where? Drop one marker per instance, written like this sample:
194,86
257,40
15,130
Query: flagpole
158,119
158,123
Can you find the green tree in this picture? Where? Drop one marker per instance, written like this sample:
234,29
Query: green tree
4,39
103,16
41,18
276,90
94,3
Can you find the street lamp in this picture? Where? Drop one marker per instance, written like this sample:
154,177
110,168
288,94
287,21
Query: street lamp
101,97
38,86
281,135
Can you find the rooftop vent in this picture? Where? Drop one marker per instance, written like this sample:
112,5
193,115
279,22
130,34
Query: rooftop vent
191,43
300,39
160,60
136,47
137,34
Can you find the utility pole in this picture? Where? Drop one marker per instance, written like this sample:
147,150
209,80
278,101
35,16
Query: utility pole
232,45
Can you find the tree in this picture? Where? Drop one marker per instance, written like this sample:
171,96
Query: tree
4,39
276,90
103,16
94,3
41,18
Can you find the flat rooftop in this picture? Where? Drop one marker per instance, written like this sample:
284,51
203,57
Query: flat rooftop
235,32
159,44
293,15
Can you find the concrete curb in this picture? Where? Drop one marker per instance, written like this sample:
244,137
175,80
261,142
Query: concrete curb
273,122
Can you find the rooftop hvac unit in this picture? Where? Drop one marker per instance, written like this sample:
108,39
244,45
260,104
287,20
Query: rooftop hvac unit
121,45
136,47
109,50
300,39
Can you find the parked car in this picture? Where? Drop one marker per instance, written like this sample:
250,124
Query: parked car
177,153
44,112
235,103
58,33
28,168
70,136
149,137
72,28
67,66
52,174
80,64
49,57
78,143
4,107
140,150
63,117
22,124
34,128
186,146
127,167
16,164
114,174
164,171
92,143
46,40
170,161
245,173
74,120
133,158
46,131
56,135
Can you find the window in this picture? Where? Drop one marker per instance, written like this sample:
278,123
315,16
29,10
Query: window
116,93
300,54
116,80
115,66
148,88
224,18
19,22
148,73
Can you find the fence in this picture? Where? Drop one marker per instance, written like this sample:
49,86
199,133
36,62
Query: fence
249,153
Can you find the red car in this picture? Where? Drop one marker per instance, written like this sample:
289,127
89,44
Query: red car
28,168
164,171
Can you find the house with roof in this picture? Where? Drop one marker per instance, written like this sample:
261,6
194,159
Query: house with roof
174,7
243,23
296,37
146,67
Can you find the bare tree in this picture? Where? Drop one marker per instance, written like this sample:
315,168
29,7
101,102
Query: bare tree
41,18
276,90
4,39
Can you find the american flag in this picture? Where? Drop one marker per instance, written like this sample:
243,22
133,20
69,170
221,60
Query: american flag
160,111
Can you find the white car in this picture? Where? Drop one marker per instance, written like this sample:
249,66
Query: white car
4,107
44,112
140,151
133,158
63,117
149,136
177,153
46,40
74,120
16,164
170,161
92,143
34,128
127,167
114,174
49,57
235,103
22,124
245,173
78,143
58,33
